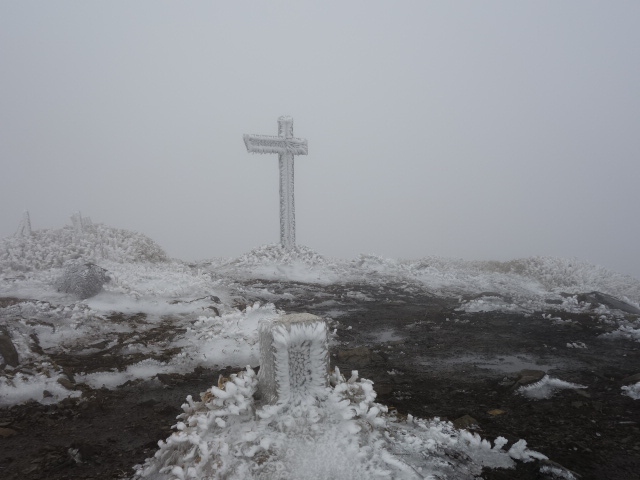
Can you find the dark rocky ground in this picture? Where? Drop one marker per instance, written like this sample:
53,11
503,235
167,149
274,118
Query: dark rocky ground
425,358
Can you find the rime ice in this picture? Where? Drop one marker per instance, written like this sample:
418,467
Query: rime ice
286,146
82,279
294,360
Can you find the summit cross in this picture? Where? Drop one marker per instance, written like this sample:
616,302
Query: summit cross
286,146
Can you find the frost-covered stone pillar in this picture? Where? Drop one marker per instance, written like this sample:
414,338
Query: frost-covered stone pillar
286,146
76,221
294,359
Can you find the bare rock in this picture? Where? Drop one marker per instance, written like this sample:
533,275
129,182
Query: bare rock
466,421
358,357
7,432
82,279
527,377
608,301
66,383
8,349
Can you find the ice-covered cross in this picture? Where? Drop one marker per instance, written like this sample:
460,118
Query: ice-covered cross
286,146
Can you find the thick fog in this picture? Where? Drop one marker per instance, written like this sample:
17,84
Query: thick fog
480,130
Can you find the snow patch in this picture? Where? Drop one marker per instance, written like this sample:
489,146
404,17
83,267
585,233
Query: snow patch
632,391
626,332
42,387
546,388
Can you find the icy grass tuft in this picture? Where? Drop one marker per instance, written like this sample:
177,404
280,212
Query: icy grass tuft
557,473
347,436
546,388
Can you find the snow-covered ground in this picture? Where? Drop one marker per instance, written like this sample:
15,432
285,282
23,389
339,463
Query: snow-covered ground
168,316
199,299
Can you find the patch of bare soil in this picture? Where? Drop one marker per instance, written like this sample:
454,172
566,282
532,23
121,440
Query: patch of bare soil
425,358
99,436
432,361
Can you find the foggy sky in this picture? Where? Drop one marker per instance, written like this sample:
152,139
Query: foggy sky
480,130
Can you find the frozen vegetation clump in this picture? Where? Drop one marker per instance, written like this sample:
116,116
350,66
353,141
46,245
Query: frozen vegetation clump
276,253
53,248
83,280
345,435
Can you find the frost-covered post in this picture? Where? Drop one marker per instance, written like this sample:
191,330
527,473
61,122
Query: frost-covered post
80,223
286,146
76,221
294,359
24,230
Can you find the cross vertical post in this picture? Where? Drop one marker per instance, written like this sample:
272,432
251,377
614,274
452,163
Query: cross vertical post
287,200
286,146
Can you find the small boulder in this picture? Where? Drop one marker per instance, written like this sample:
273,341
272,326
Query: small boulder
358,357
66,383
84,279
466,421
7,432
608,301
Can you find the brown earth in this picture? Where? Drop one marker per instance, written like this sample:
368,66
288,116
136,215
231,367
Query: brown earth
425,358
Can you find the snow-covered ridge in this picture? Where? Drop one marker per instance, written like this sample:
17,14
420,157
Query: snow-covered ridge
52,248
521,279
519,282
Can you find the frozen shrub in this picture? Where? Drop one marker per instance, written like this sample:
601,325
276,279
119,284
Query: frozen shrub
49,248
82,279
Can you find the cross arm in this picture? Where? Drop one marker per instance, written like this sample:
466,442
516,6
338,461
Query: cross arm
273,144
